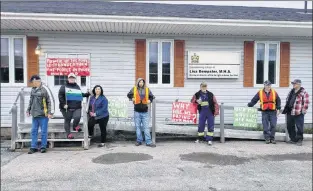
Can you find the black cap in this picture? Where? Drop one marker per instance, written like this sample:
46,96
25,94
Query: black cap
267,83
34,77
296,81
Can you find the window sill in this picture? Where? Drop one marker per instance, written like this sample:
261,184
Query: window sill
160,85
262,86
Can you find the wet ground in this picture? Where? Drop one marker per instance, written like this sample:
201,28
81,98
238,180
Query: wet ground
172,165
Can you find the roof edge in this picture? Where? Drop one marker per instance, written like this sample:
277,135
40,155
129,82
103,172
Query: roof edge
143,19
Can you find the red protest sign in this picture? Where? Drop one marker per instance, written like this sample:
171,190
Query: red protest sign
184,112
65,66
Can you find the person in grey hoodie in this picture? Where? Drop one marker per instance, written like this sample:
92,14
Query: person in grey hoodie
41,107
141,97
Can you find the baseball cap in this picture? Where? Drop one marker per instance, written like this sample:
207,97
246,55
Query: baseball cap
71,75
267,83
34,77
203,84
296,81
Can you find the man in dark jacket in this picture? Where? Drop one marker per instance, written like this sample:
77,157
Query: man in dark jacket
270,106
141,97
41,107
70,98
296,107
208,108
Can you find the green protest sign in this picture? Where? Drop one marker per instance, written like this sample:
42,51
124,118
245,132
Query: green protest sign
118,107
245,117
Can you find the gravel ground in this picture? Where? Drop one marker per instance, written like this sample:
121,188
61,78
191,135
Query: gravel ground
172,165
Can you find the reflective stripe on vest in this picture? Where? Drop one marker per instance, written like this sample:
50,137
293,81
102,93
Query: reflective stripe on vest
270,103
204,103
138,98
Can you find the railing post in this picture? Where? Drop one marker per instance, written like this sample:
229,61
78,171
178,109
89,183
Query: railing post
153,121
14,127
286,129
222,128
85,124
22,106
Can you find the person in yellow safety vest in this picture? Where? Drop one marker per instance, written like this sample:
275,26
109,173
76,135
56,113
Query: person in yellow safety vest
141,97
270,105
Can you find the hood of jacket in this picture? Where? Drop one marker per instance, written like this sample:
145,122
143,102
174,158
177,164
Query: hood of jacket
138,80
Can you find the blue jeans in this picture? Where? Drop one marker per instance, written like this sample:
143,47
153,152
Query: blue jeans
269,121
43,123
142,118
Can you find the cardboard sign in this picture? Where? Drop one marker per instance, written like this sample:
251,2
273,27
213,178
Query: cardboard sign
65,66
118,107
245,117
184,112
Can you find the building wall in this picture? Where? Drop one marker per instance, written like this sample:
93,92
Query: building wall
113,67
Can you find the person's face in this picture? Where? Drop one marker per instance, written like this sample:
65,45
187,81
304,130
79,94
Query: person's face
204,88
296,86
267,88
36,83
71,80
98,91
141,83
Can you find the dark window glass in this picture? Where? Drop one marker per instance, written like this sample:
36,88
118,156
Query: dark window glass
260,63
5,60
59,80
153,62
18,60
166,62
272,63
83,80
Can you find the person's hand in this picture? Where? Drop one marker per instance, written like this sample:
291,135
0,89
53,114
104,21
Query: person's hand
50,116
65,106
27,114
148,101
278,112
199,101
92,114
133,99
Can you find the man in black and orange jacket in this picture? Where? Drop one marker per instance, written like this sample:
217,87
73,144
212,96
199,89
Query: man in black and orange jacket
270,105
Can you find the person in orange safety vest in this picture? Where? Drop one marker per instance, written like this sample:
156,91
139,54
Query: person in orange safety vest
270,105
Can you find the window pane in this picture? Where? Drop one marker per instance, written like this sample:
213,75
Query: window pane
83,80
272,63
166,62
260,63
153,62
4,60
18,60
59,80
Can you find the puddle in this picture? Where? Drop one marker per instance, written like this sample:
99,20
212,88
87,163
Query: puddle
215,159
116,158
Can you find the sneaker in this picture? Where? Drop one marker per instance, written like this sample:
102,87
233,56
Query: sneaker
197,141
290,142
78,129
32,151
267,141
273,141
210,143
89,136
101,145
70,136
43,150
299,143
151,145
138,143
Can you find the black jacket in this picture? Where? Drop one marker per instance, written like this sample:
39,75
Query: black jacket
210,100
71,104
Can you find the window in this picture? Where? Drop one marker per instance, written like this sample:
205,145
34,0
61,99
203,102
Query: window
60,80
160,65
13,60
266,63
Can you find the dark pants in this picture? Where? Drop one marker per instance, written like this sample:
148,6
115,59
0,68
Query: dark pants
68,116
206,116
292,121
269,121
103,122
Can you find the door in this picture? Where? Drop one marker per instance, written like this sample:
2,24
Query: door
55,82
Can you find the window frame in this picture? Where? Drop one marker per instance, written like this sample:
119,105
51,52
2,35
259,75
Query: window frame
160,65
266,62
11,60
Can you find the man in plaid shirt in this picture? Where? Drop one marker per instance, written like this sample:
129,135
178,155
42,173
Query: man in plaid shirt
296,107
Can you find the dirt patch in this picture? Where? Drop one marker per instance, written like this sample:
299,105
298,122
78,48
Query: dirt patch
215,159
116,158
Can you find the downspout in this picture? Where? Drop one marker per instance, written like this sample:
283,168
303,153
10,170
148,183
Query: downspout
305,6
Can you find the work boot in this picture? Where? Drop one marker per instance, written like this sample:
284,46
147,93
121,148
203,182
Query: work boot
101,145
210,143
267,141
32,151
290,142
151,145
299,143
138,143
43,150
273,141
